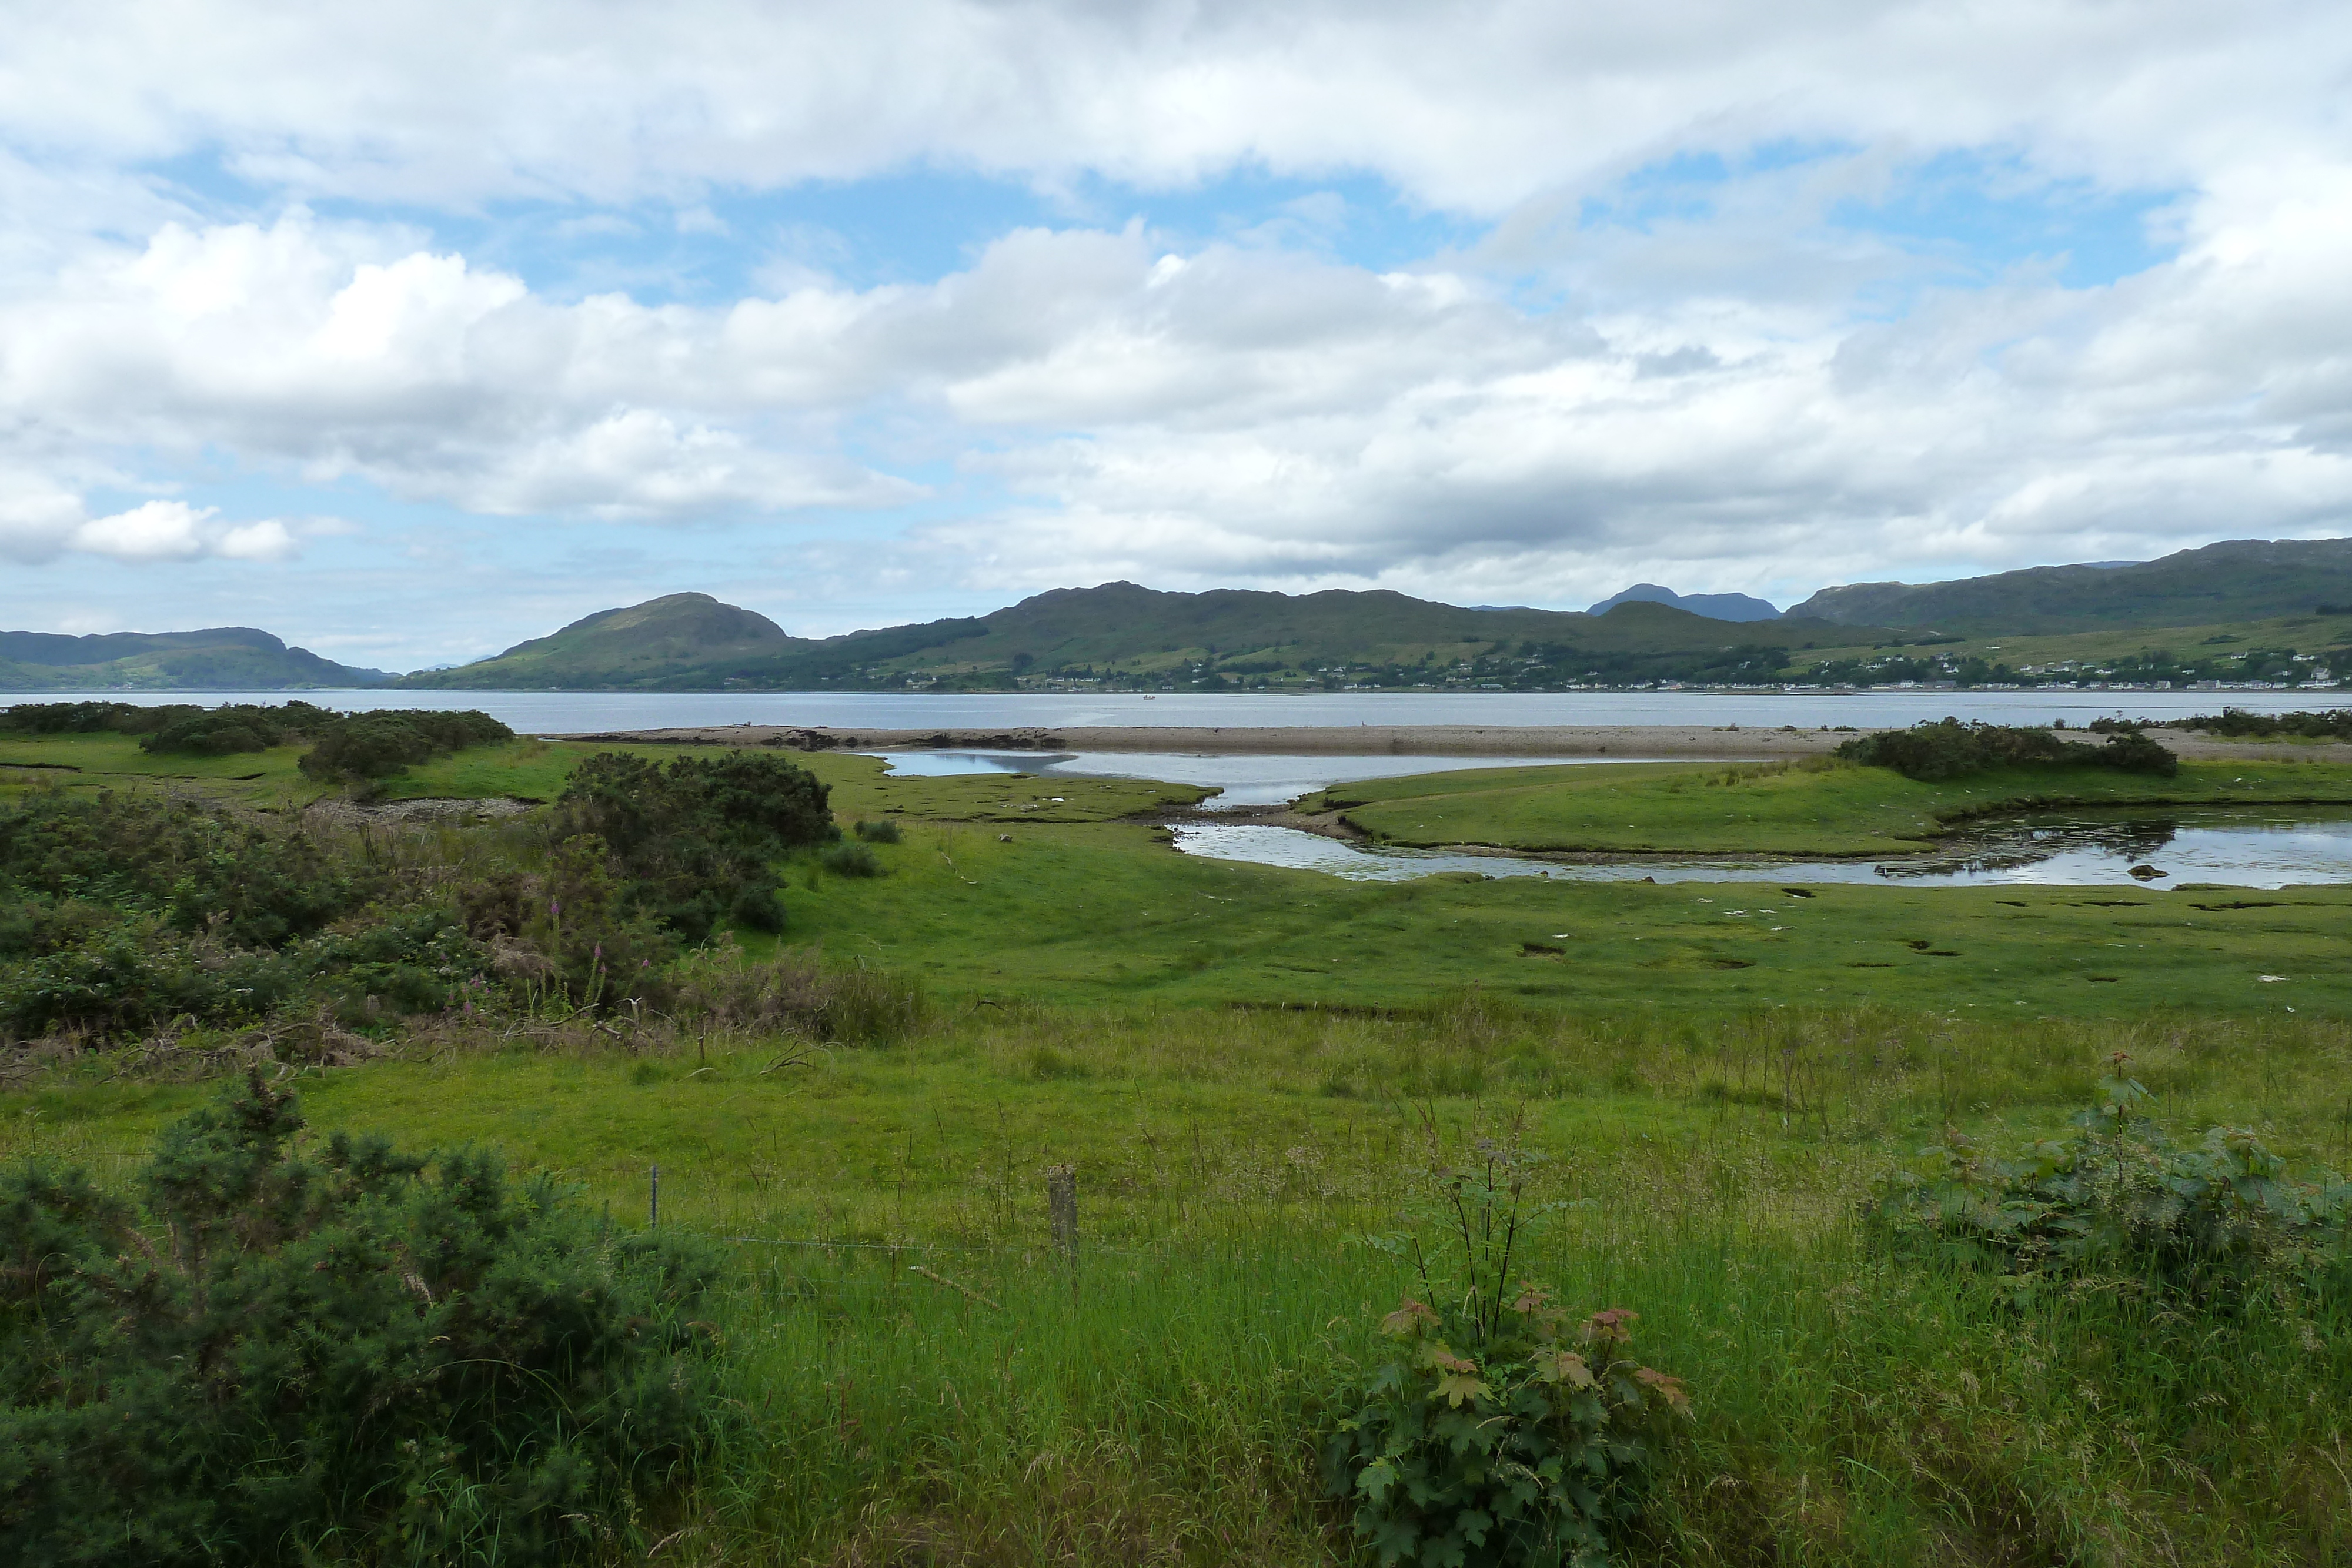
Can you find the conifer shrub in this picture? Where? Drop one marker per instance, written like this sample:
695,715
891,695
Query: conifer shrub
1497,1432
282,1356
2119,1198
1946,748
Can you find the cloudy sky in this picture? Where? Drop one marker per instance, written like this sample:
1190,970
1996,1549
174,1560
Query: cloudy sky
411,330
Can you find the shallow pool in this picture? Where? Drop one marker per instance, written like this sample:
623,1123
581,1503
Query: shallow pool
2236,847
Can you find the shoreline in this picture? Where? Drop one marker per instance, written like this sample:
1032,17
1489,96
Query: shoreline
1630,742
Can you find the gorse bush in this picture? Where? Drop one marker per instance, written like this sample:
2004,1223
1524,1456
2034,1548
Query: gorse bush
2120,1199
1496,1434
1946,748
235,727
685,842
879,832
92,718
2335,724
360,748
351,1354
197,869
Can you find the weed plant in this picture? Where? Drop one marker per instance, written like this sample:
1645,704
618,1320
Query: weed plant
1486,1438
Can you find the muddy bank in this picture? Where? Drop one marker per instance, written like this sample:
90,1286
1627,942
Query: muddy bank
1626,740
1349,740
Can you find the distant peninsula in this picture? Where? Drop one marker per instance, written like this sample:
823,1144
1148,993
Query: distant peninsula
218,659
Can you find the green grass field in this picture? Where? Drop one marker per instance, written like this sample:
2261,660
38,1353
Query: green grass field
1239,1059
1806,809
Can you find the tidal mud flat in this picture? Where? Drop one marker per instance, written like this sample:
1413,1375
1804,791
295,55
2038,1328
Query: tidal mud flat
1653,742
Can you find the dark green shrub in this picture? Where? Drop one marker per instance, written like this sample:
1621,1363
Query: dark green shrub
1945,748
2330,724
1495,1434
686,840
348,1354
199,869
91,718
758,909
234,727
2119,1198
880,832
361,746
849,858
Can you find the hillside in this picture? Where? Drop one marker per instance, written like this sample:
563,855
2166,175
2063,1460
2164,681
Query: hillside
2238,579
220,658
1120,633
639,645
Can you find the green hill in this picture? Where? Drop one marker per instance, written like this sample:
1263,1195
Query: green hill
221,658
641,645
1120,633
2238,579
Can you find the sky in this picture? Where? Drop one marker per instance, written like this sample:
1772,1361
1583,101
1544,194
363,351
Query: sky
411,331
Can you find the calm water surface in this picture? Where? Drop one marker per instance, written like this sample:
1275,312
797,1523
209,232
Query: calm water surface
565,712
2233,847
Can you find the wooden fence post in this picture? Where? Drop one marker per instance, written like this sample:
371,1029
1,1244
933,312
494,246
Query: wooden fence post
654,1215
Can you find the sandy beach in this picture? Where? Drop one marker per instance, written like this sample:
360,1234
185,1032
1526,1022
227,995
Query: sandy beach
1629,741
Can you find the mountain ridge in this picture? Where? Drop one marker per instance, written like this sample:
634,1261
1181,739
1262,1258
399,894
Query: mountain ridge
2233,579
1122,631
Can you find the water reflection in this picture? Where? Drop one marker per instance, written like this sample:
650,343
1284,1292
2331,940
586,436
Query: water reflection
2232,848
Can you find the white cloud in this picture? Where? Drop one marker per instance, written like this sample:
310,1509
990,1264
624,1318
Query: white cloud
1733,390
1475,107
152,531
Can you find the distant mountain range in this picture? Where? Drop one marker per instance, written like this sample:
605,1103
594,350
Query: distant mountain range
221,659
1715,606
1121,634
2240,580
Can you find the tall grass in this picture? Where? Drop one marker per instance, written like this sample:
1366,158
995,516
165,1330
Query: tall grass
1159,1405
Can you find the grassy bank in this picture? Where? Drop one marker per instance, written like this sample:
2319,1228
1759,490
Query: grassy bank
1816,808
1108,914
